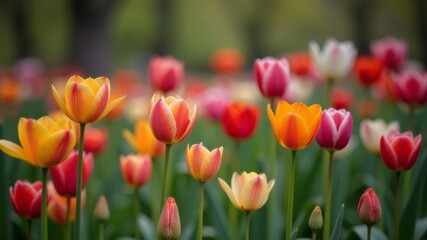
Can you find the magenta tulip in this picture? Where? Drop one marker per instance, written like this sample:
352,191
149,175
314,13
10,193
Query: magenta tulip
411,87
272,75
335,129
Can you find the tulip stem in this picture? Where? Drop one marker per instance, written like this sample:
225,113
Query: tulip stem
200,227
165,174
313,235
270,217
247,218
291,196
101,230
369,231
44,205
396,208
328,198
29,229
136,199
67,234
79,182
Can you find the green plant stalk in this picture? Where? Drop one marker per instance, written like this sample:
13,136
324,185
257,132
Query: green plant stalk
29,229
272,198
67,233
291,196
136,209
396,208
154,190
369,231
326,226
200,226
165,174
313,235
101,230
79,182
247,220
44,205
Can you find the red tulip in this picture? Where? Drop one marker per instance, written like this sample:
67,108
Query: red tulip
165,73
391,51
64,176
227,61
335,129
341,98
369,208
368,70
300,64
95,140
240,120
400,151
411,87
272,76
136,169
26,198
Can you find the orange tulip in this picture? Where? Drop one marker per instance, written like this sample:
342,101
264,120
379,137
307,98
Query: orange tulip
171,119
45,143
86,100
57,205
296,125
202,163
143,140
136,169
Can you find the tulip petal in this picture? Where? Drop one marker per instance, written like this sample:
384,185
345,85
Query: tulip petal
403,147
78,98
254,194
162,122
191,124
35,206
111,105
229,193
294,132
56,148
327,135
59,100
273,123
13,150
97,105
210,164
415,152
344,132
181,114
32,134
23,193
282,108
387,154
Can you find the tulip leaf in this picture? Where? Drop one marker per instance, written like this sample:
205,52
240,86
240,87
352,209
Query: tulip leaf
336,232
420,229
361,232
146,227
218,213
294,234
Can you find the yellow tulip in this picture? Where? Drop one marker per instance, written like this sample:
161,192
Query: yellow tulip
143,140
45,143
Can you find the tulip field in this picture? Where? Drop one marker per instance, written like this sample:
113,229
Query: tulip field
323,144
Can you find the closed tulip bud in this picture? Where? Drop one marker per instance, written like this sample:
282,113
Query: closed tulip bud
372,130
335,129
143,140
316,220
411,87
369,208
102,212
399,151
169,226
136,169
240,120
165,73
391,51
26,199
95,140
203,164
272,75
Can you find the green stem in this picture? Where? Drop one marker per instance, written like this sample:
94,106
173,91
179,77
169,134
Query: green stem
200,227
380,184
44,205
79,182
313,235
154,190
101,230
291,196
165,174
396,208
29,229
272,199
327,224
67,233
136,209
247,220
369,231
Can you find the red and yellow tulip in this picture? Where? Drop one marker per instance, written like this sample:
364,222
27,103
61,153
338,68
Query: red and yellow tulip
143,140
203,164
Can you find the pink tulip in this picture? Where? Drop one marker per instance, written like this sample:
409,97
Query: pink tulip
136,169
411,87
272,76
169,226
26,199
369,208
214,101
400,151
165,73
335,129
391,51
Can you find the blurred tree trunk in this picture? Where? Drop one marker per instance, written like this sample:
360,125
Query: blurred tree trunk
360,18
20,21
90,38
164,13
420,7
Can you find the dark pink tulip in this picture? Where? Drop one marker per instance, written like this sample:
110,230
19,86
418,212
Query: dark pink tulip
165,73
335,129
399,151
411,87
26,198
64,176
272,76
369,208
391,51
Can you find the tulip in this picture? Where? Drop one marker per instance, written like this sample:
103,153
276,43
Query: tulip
240,120
272,76
64,176
400,151
391,51
227,61
315,222
295,126
95,140
169,226
136,169
59,206
10,90
369,209
301,64
367,70
143,140
203,164
214,101
411,87
372,130
101,212
59,117
165,73
341,98
26,199
171,119
86,100
335,129
335,61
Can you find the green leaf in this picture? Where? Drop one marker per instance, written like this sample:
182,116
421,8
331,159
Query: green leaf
421,229
146,227
218,213
294,234
361,232
338,224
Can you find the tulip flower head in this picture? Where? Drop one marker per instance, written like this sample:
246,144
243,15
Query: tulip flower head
335,61
367,70
391,51
227,61
203,164
369,208
240,120
57,205
411,87
335,129
315,221
372,130
169,226
45,143
165,73
249,191
399,151
26,199
295,126
102,212
214,101
136,169
86,100
171,120
95,140
272,76
143,140
341,98
64,175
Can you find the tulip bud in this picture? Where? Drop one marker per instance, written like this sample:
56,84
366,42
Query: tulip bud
369,209
316,220
169,226
102,212
95,140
